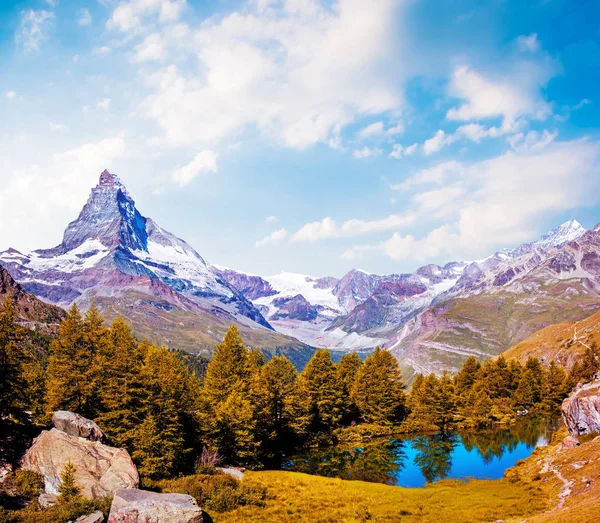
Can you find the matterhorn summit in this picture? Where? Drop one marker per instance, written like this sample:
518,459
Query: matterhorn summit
130,266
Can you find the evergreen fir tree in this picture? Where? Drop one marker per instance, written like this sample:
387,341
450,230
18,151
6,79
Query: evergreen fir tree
527,391
347,370
120,386
444,402
272,395
555,386
379,390
229,369
233,430
168,396
466,377
12,387
69,367
321,393
68,488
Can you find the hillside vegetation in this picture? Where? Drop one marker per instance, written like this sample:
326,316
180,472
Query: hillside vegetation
564,343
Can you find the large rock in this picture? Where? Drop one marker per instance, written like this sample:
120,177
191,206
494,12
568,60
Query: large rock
100,469
76,425
142,506
581,410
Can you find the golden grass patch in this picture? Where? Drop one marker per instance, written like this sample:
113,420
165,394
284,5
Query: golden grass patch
293,496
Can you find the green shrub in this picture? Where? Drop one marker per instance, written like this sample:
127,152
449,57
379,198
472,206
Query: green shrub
7,516
63,512
28,484
219,492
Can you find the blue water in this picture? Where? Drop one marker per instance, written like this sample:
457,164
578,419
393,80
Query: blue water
417,460
464,464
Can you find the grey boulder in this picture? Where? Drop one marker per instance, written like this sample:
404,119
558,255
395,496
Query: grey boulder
142,506
76,425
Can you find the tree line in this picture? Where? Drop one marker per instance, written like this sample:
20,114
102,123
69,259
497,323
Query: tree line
248,409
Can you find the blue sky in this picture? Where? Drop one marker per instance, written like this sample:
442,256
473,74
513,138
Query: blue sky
301,135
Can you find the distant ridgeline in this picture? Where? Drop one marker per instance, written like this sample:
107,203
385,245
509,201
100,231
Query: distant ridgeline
250,410
431,319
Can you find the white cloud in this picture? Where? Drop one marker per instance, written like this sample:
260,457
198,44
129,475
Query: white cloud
581,104
487,97
367,152
533,140
273,238
370,131
151,49
528,43
437,141
103,104
52,3
396,129
57,127
297,71
400,247
101,51
471,131
271,219
203,162
438,174
33,29
398,150
38,199
130,15
328,227
497,202
11,95
84,17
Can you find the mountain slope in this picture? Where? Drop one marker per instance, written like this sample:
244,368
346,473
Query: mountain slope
562,342
133,268
504,299
435,317
30,311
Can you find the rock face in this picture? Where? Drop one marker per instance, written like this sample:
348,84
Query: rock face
581,410
100,469
30,310
141,506
76,425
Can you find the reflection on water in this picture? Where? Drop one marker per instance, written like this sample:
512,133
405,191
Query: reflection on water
413,461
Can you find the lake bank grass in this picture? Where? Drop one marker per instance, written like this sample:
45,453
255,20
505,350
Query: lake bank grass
293,496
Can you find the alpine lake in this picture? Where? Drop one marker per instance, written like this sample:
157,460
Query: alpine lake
414,460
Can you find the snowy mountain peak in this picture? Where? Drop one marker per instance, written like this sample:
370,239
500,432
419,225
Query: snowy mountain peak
565,233
109,216
109,179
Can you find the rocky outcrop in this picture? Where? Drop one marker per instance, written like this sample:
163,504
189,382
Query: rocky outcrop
47,500
76,425
94,517
141,506
100,469
581,410
570,442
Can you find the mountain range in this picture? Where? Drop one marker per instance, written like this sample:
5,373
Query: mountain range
431,319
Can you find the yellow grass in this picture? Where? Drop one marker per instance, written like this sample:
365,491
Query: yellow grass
300,497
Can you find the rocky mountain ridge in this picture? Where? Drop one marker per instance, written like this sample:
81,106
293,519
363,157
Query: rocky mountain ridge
431,319
132,267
